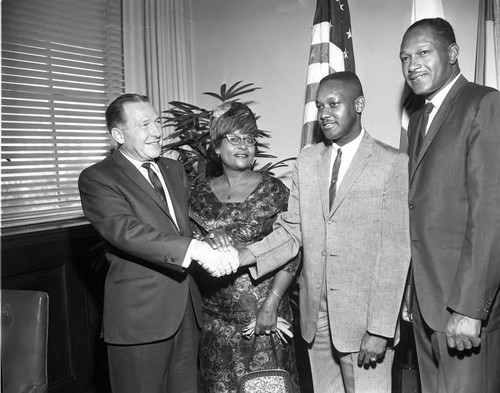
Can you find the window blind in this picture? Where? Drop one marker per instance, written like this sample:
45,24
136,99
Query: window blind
62,64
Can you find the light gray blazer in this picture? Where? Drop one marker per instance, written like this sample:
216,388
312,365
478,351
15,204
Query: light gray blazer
362,242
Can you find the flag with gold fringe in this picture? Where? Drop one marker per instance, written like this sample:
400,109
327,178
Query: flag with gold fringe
331,51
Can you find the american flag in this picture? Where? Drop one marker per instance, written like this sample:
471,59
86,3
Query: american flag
331,51
488,44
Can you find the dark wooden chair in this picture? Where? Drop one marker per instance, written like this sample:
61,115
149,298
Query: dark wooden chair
24,341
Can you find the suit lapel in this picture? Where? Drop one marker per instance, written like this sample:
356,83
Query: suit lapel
441,115
136,176
324,178
358,164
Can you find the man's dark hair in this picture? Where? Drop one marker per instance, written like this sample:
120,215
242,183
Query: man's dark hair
115,115
349,78
440,29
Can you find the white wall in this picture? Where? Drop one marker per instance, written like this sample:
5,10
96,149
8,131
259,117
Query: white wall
267,42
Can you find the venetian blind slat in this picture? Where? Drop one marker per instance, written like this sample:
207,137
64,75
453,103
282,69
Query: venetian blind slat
61,65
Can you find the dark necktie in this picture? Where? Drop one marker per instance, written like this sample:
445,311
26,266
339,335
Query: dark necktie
335,176
155,180
423,126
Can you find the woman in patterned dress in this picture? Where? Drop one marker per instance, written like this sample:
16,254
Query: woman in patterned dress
240,205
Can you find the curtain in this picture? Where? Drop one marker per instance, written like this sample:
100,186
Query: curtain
157,50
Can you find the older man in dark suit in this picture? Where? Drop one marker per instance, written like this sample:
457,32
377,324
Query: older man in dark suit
138,204
454,200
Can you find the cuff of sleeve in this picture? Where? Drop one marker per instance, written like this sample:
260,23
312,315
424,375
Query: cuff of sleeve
189,254
253,270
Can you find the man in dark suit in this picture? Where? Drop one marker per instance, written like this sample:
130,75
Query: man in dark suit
138,204
454,200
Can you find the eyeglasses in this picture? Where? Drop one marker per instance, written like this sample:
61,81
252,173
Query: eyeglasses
235,140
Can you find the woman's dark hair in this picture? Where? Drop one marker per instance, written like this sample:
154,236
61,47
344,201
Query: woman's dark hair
227,118
232,117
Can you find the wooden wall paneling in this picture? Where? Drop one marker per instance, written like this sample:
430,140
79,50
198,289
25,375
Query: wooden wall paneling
60,262
51,280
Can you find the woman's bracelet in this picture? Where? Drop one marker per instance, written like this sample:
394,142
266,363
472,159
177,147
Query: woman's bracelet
275,293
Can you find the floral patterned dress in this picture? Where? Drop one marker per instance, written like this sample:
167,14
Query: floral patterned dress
230,303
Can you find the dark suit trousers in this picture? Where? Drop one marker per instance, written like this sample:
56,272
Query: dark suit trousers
444,370
167,366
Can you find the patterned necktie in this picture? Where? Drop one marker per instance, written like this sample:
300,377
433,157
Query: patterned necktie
335,176
155,180
423,126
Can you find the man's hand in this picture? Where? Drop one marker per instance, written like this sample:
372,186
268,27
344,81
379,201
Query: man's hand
463,332
246,257
233,258
216,263
372,349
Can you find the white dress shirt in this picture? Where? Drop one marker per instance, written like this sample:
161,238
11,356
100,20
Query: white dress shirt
138,164
437,101
156,169
348,152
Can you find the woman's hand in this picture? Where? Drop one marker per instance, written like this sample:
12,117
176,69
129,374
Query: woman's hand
218,239
267,317
282,329
267,321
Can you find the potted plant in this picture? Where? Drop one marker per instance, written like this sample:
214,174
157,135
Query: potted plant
191,136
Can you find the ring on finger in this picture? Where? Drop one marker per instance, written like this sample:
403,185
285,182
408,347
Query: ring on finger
211,235
373,359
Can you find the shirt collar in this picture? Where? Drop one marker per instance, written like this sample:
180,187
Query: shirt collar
351,146
438,99
137,163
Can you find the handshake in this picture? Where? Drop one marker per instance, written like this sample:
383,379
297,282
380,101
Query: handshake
217,260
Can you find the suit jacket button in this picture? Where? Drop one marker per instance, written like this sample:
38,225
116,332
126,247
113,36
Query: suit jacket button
323,253
411,206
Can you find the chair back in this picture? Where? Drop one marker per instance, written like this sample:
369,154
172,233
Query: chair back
24,341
